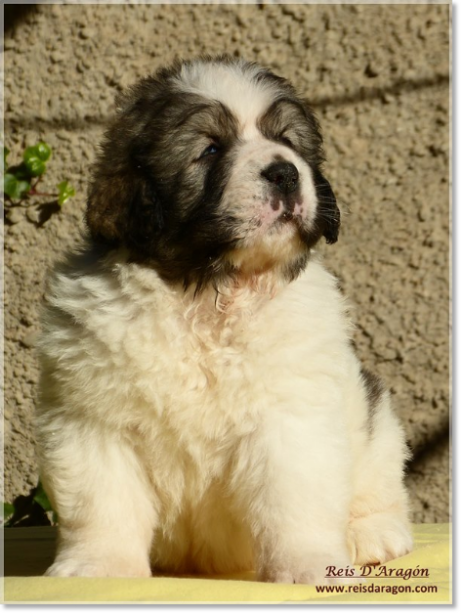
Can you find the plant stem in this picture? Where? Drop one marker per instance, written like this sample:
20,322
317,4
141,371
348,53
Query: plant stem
36,183
34,192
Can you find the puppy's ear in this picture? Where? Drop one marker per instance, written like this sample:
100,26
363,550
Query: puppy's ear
121,206
108,206
146,218
123,209
328,213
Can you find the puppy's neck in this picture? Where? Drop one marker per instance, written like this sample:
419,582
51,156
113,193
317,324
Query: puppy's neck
241,294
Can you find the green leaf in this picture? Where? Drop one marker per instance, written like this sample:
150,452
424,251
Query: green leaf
6,151
34,158
35,166
8,511
23,188
14,187
30,152
43,151
10,184
65,192
42,498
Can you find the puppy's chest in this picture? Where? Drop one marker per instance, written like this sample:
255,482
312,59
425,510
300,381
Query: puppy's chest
198,364
212,366
208,348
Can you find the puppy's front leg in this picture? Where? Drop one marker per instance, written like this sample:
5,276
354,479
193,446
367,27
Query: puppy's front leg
104,502
301,482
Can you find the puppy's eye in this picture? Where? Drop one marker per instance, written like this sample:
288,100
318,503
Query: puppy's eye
210,150
285,140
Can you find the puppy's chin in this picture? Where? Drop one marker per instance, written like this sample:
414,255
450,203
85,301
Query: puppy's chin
278,251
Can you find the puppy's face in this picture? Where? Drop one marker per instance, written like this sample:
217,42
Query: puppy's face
210,169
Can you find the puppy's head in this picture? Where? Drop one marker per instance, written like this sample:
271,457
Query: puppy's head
213,168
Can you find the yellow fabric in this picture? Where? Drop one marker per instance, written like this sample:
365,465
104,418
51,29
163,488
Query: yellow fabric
432,551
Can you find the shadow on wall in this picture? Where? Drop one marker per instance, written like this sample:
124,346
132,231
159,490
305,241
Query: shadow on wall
15,13
363,94
436,440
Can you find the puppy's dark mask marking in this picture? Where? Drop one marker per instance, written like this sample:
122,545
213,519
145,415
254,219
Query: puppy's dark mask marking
328,217
155,194
290,121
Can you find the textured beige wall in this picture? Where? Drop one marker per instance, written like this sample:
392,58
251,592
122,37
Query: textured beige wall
377,77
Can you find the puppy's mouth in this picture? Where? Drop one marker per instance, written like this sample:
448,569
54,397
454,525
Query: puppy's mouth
271,246
288,217
287,221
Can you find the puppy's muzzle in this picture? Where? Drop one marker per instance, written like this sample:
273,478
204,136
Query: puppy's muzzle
284,179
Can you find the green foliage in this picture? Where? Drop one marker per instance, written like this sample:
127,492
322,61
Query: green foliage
42,498
6,151
65,192
42,151
8,512
33,509
35,166
14,187
19,183
35,157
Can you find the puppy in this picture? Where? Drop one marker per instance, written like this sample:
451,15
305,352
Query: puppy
201,408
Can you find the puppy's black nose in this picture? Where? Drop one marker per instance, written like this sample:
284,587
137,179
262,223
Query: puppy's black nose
283,175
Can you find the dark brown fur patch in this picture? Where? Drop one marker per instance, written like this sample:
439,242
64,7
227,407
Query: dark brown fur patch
375,390
290,122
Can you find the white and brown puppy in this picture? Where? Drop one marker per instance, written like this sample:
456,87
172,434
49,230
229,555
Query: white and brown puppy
201,407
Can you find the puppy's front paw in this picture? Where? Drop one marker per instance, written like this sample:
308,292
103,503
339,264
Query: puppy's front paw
378,538
70,567
311,570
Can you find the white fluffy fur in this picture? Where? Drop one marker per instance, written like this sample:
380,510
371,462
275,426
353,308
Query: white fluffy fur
212,433
225,83
210,425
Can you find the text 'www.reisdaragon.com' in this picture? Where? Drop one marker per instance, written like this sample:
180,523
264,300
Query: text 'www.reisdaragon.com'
371,588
